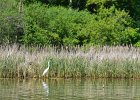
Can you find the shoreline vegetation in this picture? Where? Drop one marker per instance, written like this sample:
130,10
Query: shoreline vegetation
35,31
76,62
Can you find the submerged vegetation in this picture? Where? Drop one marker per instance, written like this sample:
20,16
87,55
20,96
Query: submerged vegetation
96,62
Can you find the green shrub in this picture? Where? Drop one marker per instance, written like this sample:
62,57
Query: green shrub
62,26
112,27
137,44
9,21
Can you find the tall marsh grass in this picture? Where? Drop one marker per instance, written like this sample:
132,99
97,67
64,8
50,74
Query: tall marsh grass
95,62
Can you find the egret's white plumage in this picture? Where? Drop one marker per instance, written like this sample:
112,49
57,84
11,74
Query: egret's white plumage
46,70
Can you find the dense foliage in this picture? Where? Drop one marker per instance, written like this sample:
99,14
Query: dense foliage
61,22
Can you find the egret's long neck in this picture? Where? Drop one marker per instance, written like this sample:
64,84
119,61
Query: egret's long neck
48,63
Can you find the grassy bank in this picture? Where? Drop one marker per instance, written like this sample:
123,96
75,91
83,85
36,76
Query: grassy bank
101,62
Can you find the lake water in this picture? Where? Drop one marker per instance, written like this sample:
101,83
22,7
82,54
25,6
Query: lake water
69,89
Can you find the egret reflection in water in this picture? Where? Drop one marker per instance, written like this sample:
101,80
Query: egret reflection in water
46,88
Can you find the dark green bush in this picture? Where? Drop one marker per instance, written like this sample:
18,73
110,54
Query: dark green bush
9,21
112,27
63,26
49,25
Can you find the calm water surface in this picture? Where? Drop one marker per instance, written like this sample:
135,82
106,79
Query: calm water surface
60,89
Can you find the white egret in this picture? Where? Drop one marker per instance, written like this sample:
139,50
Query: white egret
46,70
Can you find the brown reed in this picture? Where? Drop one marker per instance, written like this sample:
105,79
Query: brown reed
76,62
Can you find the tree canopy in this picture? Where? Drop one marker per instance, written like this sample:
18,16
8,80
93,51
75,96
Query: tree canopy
70,22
